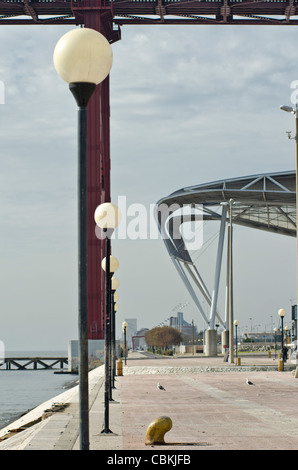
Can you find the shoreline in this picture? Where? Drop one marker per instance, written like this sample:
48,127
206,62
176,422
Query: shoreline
45,409
17,416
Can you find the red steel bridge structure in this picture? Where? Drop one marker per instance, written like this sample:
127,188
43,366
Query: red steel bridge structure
107,16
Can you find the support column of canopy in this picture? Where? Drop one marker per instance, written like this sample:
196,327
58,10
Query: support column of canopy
211,336
230,299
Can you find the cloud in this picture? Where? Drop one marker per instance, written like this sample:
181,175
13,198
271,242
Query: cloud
189,104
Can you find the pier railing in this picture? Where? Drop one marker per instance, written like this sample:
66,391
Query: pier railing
34,363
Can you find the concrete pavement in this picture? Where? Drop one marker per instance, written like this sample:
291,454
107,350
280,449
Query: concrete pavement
208,400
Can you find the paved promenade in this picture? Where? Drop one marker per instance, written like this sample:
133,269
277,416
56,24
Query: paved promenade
208,400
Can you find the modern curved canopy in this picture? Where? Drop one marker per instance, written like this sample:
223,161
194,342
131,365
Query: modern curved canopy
265,202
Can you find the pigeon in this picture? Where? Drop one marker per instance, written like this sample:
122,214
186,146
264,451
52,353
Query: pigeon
160,387
249,382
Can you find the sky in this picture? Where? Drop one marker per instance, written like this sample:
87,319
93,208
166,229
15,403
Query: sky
189,105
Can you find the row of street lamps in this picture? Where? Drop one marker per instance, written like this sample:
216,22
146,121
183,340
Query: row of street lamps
83,58
107,217
281,314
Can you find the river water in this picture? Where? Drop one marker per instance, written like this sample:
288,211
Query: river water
22,390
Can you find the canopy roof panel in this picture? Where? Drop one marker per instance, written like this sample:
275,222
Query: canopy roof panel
265,201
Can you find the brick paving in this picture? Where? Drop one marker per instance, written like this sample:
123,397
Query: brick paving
214,410
209,402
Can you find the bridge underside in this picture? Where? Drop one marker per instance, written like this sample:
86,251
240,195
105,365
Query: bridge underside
125,12
264,202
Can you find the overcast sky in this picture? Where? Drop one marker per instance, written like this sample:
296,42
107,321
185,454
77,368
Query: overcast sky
189,105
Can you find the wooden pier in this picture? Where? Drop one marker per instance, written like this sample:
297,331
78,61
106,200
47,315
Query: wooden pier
33,363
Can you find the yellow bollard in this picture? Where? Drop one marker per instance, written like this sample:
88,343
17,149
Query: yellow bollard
119,367
157,429
269,354
238,361
280,365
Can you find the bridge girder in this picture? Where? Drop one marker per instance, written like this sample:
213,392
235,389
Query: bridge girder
128,12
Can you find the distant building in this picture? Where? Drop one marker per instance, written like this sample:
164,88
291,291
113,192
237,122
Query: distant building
181,325
138,340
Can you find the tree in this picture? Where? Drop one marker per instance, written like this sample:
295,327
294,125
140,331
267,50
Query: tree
163,337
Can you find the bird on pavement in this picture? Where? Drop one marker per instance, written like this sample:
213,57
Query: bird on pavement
160,387
249,382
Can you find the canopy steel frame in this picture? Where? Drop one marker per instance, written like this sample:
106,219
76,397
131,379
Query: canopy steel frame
264,202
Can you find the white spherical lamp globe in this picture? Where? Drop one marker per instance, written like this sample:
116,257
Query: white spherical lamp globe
281,312
114,264
107,215
83,55
115,283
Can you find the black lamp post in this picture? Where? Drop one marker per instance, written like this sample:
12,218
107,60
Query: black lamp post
116,307
83,58
124,329
107,216
294,111
115,296
114,264
236,323
282,313
275,331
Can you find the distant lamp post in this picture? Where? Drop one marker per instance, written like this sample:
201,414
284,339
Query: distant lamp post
115,298
193,337
107,216
115,310
282,314
236,323
83,58
275,331
109,324
294,111
115,285
124,329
